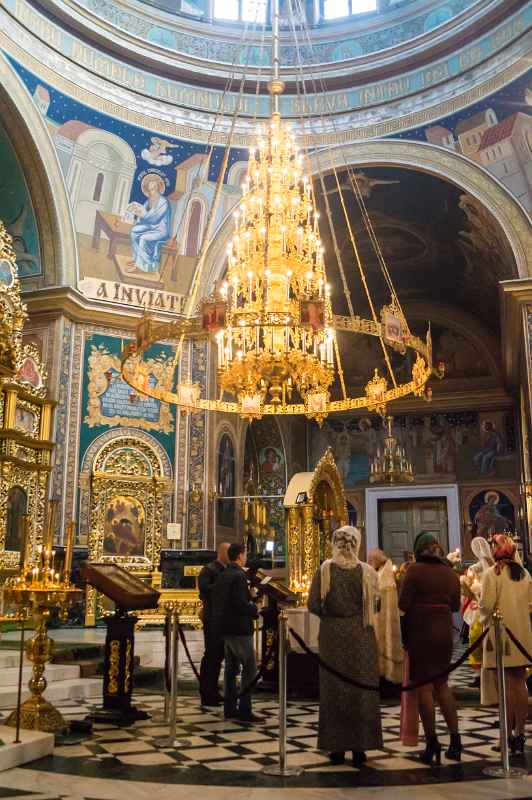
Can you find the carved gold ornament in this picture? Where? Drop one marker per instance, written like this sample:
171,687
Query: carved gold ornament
105,368
12,310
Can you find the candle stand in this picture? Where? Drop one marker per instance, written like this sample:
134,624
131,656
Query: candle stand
40,590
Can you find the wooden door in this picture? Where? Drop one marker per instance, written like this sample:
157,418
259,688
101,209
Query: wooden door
400,521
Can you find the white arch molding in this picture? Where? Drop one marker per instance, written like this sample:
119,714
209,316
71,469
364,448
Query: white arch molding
37,155
422,157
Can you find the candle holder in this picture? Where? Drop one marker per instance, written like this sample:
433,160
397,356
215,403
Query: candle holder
40,590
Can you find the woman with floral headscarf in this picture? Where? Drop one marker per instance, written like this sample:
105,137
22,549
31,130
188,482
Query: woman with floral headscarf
430,592
508,587
344,595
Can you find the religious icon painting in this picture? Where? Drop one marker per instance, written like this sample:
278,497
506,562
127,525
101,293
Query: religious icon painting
29,373
490,512
124,527
7,275
393,328
213,316
26,420
271,460
312,313
17,503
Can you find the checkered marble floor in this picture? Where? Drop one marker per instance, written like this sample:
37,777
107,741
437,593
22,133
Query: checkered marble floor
227,752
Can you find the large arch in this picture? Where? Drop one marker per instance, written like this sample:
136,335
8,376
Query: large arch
422,157
32,143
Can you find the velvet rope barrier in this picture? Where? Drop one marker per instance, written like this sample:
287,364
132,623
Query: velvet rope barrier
371,688
251,685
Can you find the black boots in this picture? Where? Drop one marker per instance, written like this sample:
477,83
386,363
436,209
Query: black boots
454,753
359,758
432,752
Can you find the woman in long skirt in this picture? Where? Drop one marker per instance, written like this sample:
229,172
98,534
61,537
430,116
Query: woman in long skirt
344,595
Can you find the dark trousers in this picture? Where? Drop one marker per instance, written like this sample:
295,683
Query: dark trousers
239,654
211,664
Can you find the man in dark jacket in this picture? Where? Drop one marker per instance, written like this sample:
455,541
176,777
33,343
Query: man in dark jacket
234,613
213,655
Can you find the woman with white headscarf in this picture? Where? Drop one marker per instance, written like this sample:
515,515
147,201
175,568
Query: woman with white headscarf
344,595
471,587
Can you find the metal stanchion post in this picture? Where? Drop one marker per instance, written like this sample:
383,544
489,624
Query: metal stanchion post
281,769
20,671
505,770
171,740
257,640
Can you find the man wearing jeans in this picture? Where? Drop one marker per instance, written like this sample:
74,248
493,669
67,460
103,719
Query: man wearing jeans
213,655
235,612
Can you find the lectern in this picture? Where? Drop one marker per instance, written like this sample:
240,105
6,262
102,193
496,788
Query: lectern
128,593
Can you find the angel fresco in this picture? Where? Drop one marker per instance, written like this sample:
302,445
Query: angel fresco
156,154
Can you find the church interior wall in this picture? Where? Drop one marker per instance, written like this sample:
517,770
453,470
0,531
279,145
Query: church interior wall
113,159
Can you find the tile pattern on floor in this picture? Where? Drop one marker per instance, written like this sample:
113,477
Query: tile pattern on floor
228,752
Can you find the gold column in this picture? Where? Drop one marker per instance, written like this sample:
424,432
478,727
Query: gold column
294,548
9,408
311,543
46,422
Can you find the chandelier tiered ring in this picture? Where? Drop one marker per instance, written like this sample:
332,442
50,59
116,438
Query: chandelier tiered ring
271,319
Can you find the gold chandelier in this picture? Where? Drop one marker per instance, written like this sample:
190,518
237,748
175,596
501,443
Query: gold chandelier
391,464
271,319
277,338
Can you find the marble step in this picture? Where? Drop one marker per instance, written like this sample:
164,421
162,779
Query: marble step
9,658
78,689
32,745
54,673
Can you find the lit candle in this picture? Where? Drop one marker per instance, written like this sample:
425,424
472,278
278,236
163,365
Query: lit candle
69,551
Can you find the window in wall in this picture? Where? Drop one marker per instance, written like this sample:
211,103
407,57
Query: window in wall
193,234
226,482
98,186
241,10
334,9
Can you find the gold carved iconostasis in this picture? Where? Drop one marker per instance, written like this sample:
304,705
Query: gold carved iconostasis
127,488
25,425
316,506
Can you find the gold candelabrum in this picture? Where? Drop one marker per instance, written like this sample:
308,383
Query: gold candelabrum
255,514
391,464
272,319
39,589
277,338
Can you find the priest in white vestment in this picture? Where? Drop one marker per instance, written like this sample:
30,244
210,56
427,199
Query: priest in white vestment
387,625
